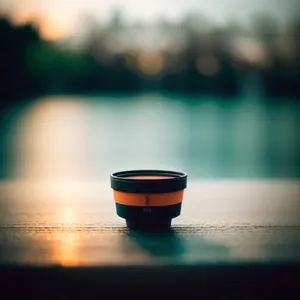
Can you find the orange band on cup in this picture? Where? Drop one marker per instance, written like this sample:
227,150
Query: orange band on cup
163,199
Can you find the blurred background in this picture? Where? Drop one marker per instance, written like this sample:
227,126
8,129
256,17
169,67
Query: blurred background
206,87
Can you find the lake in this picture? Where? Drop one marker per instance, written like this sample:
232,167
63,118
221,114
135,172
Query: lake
88,137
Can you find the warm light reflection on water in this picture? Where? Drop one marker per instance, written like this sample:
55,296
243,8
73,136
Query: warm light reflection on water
51,139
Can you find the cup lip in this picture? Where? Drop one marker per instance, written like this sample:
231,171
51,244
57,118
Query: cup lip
121,182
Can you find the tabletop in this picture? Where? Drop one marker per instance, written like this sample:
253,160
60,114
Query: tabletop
221,222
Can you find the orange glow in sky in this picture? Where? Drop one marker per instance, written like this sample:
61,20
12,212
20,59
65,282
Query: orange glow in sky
61,18
49,30
53,31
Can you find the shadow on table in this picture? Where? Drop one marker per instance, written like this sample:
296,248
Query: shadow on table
163,244
180,243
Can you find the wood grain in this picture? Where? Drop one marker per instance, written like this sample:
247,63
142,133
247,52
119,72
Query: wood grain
222,222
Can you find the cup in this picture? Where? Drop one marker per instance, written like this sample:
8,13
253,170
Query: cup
148,199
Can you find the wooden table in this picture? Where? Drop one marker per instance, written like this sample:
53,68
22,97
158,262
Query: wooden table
250,227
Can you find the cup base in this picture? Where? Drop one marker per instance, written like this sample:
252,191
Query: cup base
153,225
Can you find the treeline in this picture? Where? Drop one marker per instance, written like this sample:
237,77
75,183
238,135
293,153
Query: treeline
205,63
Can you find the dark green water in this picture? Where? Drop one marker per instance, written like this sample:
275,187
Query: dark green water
90,137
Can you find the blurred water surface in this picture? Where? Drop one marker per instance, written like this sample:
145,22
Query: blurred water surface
88,137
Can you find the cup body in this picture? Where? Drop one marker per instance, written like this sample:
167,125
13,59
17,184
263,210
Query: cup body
148,198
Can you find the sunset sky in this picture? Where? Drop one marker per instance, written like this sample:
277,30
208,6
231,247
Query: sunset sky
59,18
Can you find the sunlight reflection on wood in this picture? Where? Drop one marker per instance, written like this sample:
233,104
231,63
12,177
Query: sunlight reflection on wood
66,251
